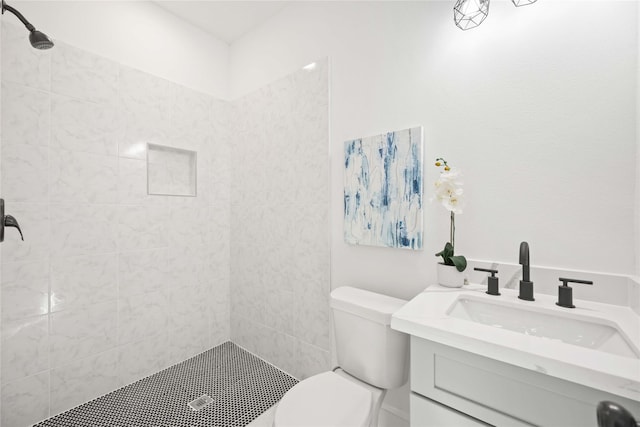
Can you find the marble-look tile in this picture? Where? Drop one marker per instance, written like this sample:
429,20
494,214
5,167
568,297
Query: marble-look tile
244,331
277,348
187,341
220,286
83,229
34,222
220,326
142,227
190,305
81,332
25,289
190,225
309,360
310,229
132,183
84,126
25,401
20,62
83,380
25,347
191,113
190,266
82,281
83,177
143,271
248,299
25,115
24,173
144,95
146,103
279,308
220,243
249,183
312,315
139,359
83,75
133,143
142,316
248,227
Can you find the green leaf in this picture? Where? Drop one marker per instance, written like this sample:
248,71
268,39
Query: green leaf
459,261
447,252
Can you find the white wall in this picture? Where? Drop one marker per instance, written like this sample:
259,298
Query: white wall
137,34
535,106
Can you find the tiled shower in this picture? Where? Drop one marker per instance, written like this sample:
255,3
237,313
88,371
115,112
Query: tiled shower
112,284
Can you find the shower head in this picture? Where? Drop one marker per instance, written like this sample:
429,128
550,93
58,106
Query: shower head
38,39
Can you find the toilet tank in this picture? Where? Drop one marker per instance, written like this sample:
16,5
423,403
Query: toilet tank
366,346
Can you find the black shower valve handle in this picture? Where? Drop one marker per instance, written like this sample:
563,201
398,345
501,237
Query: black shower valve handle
10,221
7,221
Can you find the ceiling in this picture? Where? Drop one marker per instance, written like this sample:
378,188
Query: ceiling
225,20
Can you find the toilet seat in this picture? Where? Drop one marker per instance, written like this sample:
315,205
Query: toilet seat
324,400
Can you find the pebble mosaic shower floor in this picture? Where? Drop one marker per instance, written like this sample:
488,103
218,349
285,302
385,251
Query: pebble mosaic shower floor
240,385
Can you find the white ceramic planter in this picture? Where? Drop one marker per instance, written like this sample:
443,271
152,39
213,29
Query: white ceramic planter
450,277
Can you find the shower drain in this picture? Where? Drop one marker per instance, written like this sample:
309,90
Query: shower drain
200,403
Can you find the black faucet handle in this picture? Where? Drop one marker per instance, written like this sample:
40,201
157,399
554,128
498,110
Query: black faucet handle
487,270
583,282
565,292
492,282
10,221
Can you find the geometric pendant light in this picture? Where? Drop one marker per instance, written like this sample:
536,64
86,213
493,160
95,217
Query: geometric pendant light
470,13
519,3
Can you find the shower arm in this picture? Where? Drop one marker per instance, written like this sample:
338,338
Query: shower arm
22,19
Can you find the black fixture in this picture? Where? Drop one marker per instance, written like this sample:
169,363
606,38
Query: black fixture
491,281
38,39
610,414
565,293
526,285
7,221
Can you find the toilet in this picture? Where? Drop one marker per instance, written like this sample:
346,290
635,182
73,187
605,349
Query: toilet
371,359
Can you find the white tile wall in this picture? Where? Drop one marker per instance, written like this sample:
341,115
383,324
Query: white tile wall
111,284
279,223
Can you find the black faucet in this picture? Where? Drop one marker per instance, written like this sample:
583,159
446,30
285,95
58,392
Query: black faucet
526,285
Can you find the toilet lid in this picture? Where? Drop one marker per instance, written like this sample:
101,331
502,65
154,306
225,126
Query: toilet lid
324,400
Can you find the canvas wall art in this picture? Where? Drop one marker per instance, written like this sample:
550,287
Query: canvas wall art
383,190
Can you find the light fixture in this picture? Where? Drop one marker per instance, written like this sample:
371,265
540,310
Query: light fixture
470,13
518,3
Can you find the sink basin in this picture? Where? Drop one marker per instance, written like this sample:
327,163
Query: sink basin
584,331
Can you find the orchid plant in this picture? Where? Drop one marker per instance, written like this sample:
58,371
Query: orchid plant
448,191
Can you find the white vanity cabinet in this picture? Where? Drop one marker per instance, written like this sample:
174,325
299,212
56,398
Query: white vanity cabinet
451,387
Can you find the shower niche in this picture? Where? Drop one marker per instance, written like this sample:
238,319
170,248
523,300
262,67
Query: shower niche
171,171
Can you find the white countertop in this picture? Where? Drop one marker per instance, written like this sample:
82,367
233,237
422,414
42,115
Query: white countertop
426,317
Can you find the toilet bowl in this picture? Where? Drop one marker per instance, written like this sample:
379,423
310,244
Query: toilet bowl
328,399
371,357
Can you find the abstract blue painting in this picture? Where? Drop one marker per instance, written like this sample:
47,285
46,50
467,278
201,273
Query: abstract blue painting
383,190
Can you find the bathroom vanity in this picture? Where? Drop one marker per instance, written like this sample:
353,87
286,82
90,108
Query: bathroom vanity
481,360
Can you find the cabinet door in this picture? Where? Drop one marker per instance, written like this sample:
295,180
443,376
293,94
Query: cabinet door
427,413
502,394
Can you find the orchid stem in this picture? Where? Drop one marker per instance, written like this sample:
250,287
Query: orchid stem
452,230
